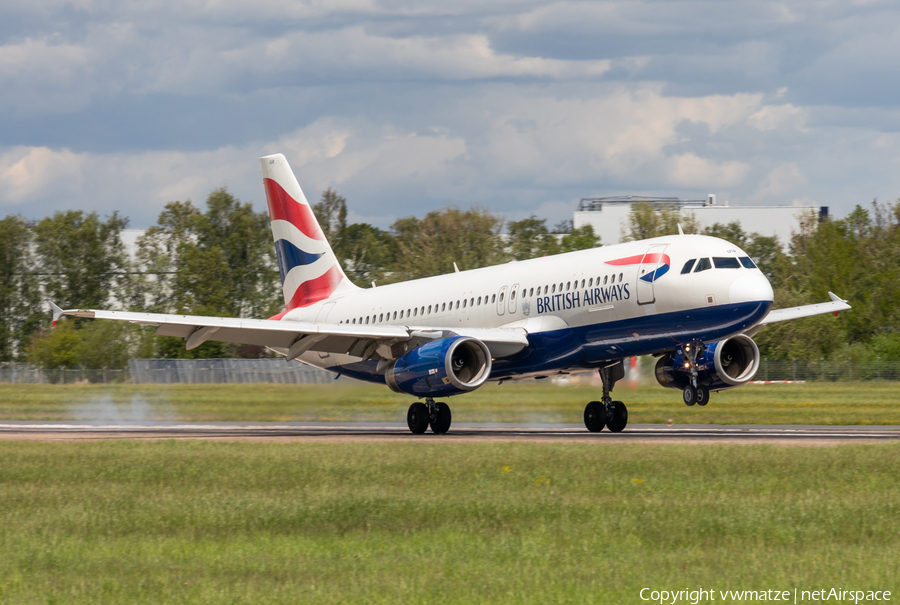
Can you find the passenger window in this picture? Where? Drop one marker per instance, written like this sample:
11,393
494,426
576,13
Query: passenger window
472,302
621,275
429,309
605,279
582,283
688,266
354,320
501,297
726,262
422,312
702,265
444,307
464,303
395,314
554,289
513,295
590,282
612,279
560,286
493,298
745,260
531,293
381,317
479,301
415,312
457,304
367,320
568,283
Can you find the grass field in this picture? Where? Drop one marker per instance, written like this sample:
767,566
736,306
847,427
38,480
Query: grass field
202,522
812,403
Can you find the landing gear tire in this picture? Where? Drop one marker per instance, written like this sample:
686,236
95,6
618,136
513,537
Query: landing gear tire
618,417
417,418
440,424
702,396
595,416
689,395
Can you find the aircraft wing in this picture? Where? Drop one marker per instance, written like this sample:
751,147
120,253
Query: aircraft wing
296,337
836,304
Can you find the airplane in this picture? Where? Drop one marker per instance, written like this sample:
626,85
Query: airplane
692,300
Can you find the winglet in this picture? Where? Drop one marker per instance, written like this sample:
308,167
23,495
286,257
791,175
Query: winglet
836,298
57,312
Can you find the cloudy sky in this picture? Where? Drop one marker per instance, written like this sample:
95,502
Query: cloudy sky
406,106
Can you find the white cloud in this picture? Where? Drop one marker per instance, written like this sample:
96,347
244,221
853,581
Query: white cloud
773,117
778,186
690,171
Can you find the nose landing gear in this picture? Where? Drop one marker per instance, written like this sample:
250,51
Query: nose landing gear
694,393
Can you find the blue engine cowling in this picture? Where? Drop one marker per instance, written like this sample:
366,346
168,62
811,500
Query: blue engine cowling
448,366
723,365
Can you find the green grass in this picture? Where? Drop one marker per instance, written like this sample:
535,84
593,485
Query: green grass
202,522
812,403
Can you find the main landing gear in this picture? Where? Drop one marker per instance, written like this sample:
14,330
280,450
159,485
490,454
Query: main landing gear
606,412
693,392
434,413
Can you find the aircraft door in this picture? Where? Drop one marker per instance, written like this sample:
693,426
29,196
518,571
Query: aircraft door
501,300
513,295
647,274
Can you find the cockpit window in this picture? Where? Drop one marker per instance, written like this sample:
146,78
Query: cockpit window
702,265
688,266
726,262
745,260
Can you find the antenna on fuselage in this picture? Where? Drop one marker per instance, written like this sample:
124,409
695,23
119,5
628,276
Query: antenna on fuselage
680,230
455,268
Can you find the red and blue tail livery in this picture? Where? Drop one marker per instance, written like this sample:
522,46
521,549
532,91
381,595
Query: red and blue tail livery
309,269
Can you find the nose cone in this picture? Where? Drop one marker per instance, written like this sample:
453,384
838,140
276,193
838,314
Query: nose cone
751,288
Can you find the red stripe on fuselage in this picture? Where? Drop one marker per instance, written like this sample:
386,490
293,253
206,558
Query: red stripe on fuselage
285,208
314,290
640,259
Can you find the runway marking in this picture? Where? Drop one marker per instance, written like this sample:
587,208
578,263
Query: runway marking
486,431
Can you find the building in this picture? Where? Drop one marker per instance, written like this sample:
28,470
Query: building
609,215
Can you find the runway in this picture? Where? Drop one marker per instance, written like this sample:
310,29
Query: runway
382,431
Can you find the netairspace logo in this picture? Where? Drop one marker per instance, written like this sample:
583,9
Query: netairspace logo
674,597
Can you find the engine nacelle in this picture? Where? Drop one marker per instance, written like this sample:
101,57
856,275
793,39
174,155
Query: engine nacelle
723,365
448,366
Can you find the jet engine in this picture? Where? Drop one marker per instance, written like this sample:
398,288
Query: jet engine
443,367
723,365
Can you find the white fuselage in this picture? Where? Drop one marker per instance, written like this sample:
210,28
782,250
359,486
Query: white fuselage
587,297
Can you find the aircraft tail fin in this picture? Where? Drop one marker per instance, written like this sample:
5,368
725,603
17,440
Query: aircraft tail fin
310,272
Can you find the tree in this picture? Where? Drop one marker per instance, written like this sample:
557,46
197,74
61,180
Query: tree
82,258
648,220
582,238
331,213
431,245
20,303
220,262
530,238
366,253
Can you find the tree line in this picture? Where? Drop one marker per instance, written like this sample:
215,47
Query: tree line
219,260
